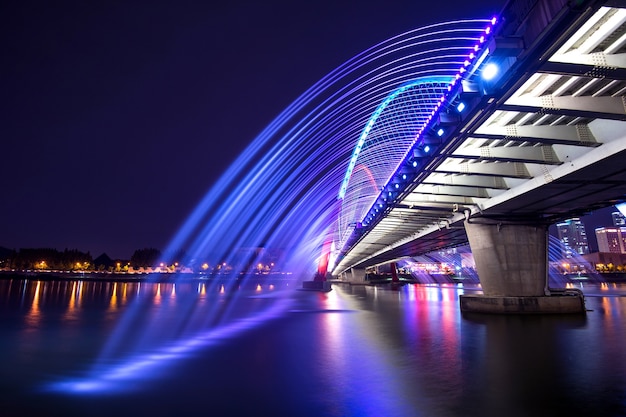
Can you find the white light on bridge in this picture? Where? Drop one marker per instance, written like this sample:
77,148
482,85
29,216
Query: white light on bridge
490,71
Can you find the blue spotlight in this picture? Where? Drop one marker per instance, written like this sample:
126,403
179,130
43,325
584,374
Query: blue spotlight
439,133
489,71
460,107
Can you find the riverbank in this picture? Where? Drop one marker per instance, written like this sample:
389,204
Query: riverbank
614,277
130,277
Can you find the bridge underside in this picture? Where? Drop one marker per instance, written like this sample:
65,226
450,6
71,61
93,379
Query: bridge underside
598,185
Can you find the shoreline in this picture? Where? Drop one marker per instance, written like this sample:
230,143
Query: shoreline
615,277
133,277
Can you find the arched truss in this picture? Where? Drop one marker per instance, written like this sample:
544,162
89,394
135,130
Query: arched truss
388,134
414,88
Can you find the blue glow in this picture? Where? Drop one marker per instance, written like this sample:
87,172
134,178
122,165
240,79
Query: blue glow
467,68
460,107
489,71
281,192
427,148
370,124
122,378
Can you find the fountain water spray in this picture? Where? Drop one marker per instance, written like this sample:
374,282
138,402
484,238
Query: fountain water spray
281,192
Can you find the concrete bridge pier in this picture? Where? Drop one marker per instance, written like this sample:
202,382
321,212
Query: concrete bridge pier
356,275
512,265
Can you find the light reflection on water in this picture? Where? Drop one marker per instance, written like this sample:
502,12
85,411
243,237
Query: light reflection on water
357,350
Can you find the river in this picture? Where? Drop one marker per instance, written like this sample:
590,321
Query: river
258,347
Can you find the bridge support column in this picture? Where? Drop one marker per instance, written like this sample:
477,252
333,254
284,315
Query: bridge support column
394,273
512,265
357,276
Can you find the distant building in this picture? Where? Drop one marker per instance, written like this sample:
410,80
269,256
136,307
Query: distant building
618,219
573,237
604,261
611,239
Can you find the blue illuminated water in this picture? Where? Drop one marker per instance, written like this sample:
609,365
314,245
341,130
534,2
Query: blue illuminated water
356,351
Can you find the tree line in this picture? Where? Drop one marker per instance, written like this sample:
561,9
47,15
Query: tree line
255,260
72,259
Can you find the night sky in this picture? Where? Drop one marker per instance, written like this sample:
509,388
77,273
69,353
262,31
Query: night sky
117,117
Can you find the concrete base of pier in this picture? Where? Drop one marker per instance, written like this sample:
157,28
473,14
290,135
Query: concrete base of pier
565,303
354,276
321,286
512,265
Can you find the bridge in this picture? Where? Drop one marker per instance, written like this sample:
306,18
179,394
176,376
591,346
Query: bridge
530,129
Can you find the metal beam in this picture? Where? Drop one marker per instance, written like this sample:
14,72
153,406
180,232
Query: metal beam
419,198
596,65
584,105
587,114
500,169
458,180
474,192
526,154
578,135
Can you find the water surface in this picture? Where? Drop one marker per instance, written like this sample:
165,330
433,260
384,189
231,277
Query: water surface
262,348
